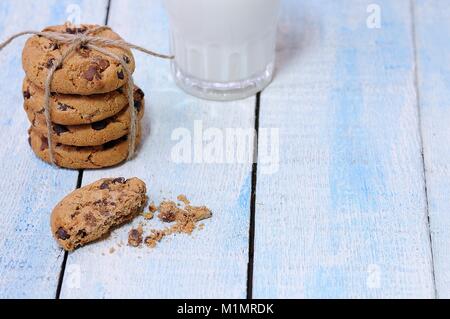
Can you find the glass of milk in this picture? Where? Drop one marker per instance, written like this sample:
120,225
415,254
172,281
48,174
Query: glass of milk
224,49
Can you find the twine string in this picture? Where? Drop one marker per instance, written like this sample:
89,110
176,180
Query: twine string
130,94
47,93
95,43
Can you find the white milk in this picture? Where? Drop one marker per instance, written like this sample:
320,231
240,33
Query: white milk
224,49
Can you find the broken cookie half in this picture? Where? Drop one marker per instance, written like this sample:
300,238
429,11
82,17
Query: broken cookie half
90,212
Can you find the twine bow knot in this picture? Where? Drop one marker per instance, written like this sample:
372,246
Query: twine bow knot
84,39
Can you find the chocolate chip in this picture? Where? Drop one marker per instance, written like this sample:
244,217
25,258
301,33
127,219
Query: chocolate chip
81,233
84,51
105,185
114,143
44,143
104,202
59,129
26,94
103,64
126,59
50,63
120,75
75,214
134,233
76,30
138,94
110,144
135,237
54,46
114,119
62,234
90,219
167,217
100,125
64,107
92,73
120,90
138,105
41,111
120,180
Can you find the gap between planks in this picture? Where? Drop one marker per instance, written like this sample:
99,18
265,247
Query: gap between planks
251,237
79,183
419,124
66,254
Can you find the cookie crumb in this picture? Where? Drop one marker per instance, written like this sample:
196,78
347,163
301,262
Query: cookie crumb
148,215
112,250
168,211
135,236
152,207
198,212
183,220
182,198
155,237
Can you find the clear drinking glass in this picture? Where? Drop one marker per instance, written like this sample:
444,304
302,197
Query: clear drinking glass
224,49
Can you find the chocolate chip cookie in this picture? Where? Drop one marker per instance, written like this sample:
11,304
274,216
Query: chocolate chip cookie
88,157
90,212
84,72
70,109
93,134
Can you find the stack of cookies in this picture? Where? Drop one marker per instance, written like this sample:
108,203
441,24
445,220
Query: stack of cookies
88,104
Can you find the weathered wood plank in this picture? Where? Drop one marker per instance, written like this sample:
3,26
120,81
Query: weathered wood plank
432,27
211,263
345,216
30,261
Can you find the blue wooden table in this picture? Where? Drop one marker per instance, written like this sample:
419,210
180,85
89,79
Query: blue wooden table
357,206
